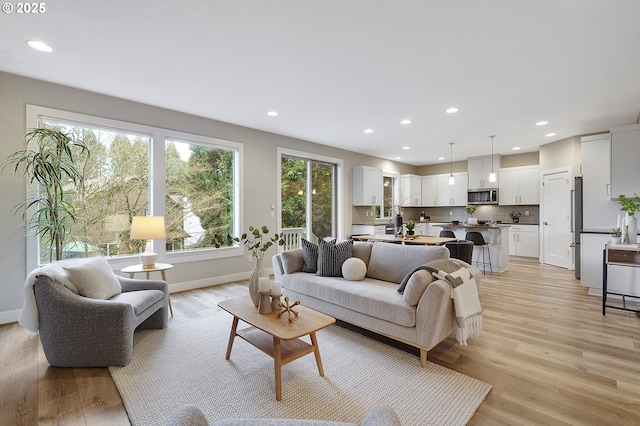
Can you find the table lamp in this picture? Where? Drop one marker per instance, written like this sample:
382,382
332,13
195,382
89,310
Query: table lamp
147,228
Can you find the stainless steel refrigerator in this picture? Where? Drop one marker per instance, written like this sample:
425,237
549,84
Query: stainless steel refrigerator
576,223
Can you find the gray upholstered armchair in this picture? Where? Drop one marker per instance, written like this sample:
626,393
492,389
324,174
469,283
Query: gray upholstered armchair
95,331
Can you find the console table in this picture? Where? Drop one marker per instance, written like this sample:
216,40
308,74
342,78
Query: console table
620,255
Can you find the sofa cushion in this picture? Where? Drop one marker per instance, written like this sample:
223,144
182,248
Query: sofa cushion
392,262
309,256
416,285
94,278
362,250
292,261
140,299
331,256
354,269
378,299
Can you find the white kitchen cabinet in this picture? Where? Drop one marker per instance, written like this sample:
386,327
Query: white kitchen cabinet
367,229
621,279
428,188
524,240
443,190
367,186
599,211
625,151
436,191
421,228
479,169
433,229
410,191
519,185
452,195
459,190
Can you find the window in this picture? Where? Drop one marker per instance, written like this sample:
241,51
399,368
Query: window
136,170
115,188
389,190
200,194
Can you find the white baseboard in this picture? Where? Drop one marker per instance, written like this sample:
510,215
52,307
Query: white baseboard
10,316
208,282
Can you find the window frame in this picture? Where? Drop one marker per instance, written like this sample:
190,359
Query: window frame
157,179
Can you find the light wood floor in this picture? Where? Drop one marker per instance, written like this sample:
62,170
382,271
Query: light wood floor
550,355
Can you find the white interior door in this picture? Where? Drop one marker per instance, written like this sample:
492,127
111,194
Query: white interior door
556,219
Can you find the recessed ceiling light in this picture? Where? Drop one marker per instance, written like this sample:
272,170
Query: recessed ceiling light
516,148
398,158
550,134
542,123
406,147
39,46
368,131
452,110
272,114
407,121
440,158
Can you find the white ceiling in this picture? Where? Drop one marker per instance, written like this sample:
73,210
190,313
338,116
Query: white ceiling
333,68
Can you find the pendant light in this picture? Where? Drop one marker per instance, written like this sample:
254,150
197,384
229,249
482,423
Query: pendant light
492,175
452,180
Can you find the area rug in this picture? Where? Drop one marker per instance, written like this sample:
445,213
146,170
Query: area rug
185,364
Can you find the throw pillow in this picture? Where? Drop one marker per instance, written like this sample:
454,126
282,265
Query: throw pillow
362,250
354,269
331,256
292,261
416,285
309,256
94,278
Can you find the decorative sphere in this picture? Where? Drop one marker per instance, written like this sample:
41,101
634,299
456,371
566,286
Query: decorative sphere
354,269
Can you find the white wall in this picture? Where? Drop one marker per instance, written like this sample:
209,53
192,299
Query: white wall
260,174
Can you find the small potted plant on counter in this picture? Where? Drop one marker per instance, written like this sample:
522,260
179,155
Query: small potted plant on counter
515,216
471,209
616,235
410,225
629,224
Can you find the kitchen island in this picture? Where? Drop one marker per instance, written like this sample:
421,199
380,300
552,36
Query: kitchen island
497,235
414,239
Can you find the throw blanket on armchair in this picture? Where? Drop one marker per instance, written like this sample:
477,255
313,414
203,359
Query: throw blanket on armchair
464,293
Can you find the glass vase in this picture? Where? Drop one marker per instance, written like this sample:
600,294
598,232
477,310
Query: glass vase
258,271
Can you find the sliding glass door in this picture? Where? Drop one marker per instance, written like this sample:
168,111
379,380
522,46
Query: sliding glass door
308,196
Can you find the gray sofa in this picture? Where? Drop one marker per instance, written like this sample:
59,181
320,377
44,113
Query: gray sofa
422,317
190,415
79,331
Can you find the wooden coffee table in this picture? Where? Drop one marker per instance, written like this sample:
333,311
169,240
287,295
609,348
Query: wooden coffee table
277,337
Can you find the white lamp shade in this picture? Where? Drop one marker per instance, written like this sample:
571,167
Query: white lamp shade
147,227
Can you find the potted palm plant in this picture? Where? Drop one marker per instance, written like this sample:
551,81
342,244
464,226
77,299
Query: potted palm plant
410,225
50,168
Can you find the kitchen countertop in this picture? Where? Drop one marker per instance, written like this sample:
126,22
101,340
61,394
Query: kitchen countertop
465,225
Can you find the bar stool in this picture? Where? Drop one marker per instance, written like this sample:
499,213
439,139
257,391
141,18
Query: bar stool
447,234
461,249
478,240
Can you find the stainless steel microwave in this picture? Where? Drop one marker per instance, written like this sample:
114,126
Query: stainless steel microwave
482,196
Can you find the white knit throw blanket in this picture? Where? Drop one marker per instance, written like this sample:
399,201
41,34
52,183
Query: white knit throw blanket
464,293
29,316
